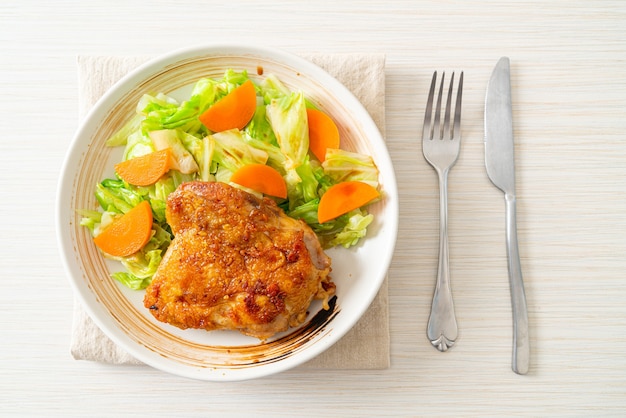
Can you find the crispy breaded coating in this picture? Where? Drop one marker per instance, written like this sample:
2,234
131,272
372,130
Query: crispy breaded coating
236,262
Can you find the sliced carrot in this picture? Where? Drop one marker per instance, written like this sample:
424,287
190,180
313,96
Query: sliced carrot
232,111
323,133
344,197
261,178
145,170
128,234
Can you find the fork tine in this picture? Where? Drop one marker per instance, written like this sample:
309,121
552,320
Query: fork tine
457,109
437,132
446,117
426,130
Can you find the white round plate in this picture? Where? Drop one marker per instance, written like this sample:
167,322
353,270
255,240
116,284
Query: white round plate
219,355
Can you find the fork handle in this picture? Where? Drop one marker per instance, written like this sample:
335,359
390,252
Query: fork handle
442,327
521,343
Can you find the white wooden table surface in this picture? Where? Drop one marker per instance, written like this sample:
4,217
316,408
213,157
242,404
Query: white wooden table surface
568,63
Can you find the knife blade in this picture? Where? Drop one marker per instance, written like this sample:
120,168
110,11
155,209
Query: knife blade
500,165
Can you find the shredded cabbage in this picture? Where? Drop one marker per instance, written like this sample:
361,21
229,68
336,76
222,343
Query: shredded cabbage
277,136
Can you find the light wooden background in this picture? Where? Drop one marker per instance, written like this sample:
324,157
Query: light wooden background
568,63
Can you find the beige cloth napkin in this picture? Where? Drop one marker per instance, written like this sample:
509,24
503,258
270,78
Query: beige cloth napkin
366,346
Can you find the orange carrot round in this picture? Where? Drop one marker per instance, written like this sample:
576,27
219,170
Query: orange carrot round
344,197
232,111
128,234
145,170
261,178
323,133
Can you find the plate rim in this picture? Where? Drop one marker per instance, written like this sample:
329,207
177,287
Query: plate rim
64,194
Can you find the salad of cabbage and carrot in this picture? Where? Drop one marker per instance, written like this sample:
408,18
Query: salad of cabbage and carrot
277,136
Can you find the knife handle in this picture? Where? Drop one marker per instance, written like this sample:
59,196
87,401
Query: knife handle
521,343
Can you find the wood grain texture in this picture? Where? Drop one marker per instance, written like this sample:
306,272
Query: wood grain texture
568,61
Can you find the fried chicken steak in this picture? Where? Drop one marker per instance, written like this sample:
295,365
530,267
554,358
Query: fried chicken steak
236,262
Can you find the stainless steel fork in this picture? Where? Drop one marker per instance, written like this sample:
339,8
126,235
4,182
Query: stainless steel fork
441,143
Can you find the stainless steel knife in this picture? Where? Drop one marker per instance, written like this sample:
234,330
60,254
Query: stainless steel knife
500,164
